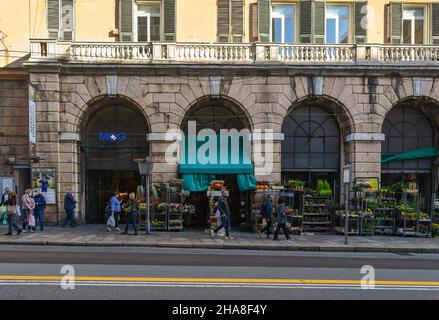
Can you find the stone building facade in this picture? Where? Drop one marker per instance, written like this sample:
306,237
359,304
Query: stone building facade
359,97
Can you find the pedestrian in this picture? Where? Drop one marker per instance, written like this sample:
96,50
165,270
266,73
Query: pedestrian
115,210
281,219
223,207
131,209
40,206
3,199
267,214
11,212
27,209
69,207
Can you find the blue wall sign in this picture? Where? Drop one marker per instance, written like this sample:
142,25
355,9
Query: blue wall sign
112,137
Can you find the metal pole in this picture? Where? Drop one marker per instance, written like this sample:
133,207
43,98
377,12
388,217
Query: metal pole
147,222
346,222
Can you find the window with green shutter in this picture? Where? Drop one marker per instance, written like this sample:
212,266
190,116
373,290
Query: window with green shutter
60,23
264,20
434,17
253,22
360,13
169,20
230,20
126,20
395,20
312,21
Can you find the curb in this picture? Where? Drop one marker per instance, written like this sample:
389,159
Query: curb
229,246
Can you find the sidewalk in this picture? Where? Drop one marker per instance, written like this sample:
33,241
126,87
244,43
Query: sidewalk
96,235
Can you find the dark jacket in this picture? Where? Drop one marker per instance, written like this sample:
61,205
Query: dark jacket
5,197
69,202
267,209
40,201
281,215
223,206
131,206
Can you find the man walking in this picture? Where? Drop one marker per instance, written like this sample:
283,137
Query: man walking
267,214
281,220
69,207
223,207
40,206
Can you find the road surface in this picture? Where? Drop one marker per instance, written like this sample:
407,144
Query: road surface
45,272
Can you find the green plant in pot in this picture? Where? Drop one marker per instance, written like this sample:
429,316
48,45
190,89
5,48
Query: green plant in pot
434,230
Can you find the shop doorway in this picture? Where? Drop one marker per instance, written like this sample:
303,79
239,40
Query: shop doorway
408,130
311,147
114,138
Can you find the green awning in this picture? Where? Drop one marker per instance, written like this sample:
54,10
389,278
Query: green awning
246,182
410,155
196,182
215,155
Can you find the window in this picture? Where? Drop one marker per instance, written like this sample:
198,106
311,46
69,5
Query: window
413,26
147,23
60,23
283,28
337,24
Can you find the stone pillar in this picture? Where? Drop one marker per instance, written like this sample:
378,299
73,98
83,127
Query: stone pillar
364,154
162,170
48,128
270,151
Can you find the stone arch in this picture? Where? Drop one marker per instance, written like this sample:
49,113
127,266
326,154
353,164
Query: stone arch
226,102
104,100
343,115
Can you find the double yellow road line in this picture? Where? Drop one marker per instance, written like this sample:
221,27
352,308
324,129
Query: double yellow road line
225,281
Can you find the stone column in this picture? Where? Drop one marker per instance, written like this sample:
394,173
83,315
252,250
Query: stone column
270,151
364,154
162,170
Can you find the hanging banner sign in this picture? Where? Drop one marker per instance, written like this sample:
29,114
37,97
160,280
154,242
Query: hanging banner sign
44,180
32,115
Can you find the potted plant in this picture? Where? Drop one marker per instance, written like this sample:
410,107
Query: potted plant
434,230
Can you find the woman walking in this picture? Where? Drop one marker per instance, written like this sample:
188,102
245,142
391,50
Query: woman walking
281,219
131,208
28,208
12,208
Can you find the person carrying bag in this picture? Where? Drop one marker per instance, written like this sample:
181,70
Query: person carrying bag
11,212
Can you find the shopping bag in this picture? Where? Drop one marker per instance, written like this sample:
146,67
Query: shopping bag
17,211
5,219
218,214
2,210
264,223
111,222
31,220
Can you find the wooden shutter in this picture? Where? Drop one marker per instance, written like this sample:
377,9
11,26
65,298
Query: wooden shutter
67,24
53,18
223,20
237,22
360,13
305,25
126,20
319,21
434,17
395,19
264,8
169,20
253,37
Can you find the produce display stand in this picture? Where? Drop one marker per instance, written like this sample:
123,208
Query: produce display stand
175,199
354,221
408,213
385,214
367,218
316,213
215,189
294,215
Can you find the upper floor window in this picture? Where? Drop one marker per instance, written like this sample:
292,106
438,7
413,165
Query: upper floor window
60,17
337,24
147,23
413,26
283,23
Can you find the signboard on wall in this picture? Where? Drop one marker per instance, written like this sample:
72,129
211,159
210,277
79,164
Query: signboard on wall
373,182
44,180
32,115
7,182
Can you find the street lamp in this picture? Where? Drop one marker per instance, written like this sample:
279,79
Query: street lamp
145,169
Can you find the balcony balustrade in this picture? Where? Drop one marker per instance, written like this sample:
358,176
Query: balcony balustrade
227,53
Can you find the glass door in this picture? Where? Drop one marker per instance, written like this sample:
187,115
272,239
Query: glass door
147,26
413,26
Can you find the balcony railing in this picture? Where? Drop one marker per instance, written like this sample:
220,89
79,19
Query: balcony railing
221,53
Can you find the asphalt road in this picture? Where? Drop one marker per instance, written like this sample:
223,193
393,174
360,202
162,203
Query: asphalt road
30,272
